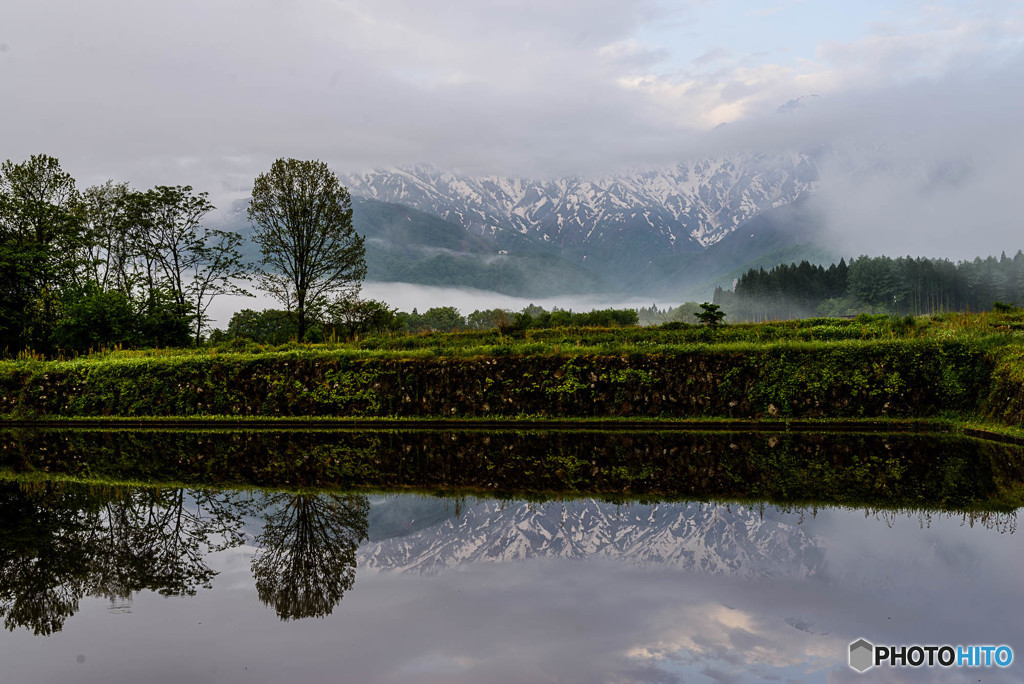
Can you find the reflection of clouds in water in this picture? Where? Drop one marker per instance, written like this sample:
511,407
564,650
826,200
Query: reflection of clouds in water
650,625
588,617
880,576
690,628
945,543
732,642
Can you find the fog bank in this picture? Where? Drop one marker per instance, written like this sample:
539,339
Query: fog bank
409,296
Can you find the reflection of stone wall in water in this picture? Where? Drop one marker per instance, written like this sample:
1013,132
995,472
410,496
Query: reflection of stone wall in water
890,470
738,540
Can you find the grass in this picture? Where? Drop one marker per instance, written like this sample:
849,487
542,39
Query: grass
990,330
970,367
524,421
775,367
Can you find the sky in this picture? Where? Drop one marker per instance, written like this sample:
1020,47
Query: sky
924,98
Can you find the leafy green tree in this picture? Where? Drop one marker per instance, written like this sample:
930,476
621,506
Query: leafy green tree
160,322
522,321
42,229
684,313
607,318
303,220
710,315
875,281
171,217
488,319
270,326
350,317
193,263
441,319
94,318
109,252
219,270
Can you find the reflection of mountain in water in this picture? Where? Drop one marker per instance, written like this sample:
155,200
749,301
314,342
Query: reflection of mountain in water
730,540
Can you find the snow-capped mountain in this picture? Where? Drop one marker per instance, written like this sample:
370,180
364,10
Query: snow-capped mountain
685,207
731,540
665,232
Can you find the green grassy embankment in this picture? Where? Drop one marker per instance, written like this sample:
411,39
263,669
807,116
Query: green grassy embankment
965,368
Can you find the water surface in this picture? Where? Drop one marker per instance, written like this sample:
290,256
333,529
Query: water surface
102,583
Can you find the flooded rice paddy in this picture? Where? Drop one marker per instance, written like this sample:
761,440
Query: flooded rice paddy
438,556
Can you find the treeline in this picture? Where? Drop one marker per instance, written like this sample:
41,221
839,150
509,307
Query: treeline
901,286
684,313
112,266
106,266
347,319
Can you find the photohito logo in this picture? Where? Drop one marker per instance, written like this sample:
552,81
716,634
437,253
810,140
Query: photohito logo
864,655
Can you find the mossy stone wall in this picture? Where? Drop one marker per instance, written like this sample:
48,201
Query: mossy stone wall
847,379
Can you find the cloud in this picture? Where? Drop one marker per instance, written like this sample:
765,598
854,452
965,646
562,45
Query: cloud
209,93
767,11
713,55
122,86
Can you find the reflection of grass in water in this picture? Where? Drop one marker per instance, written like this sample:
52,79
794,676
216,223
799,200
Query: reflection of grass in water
520,461
938,472
454,501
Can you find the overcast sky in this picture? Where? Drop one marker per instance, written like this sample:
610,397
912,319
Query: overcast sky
209,92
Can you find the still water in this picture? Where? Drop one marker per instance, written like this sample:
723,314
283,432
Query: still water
107,583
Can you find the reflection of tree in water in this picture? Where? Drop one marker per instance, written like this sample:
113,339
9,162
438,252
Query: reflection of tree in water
158,538
44,556
307,556
1004,522
60,542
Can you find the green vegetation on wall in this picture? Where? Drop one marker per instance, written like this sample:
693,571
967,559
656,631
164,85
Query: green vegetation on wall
870,366
800,379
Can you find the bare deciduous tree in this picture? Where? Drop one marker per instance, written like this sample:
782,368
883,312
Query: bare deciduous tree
303,219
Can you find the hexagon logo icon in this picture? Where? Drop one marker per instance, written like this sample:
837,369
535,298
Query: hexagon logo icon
862,655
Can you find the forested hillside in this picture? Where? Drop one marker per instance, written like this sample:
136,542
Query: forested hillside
901,286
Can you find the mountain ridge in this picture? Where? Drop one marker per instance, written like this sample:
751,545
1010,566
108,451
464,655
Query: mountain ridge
688,206
646,232
675,231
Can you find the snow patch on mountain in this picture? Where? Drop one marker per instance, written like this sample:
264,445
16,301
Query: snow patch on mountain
695,203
